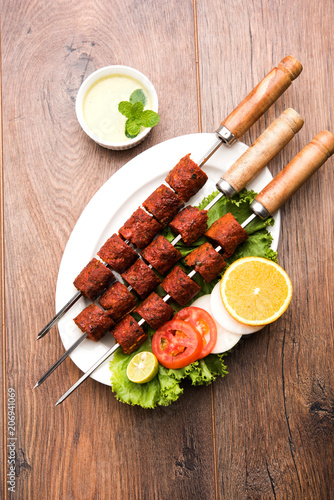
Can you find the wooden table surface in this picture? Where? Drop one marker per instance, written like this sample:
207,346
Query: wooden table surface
264,431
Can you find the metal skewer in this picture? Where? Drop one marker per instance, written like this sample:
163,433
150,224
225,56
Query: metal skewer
266,203
253,106
89,372
60,360
59,315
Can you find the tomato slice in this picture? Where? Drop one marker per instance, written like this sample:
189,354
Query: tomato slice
177,344
204,323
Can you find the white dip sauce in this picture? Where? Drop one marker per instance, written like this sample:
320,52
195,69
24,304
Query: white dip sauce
100,106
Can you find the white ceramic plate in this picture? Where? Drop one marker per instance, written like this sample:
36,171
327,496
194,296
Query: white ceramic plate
112,205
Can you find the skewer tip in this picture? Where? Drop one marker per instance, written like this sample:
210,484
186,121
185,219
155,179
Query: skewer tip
58,402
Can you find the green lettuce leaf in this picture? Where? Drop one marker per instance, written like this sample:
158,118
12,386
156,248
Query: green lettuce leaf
166,388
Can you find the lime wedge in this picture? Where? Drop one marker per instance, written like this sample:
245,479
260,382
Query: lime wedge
142,368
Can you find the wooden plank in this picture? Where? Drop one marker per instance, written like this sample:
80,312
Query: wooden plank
3,374
92,446
273,413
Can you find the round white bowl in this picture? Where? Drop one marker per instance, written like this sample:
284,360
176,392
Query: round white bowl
106,71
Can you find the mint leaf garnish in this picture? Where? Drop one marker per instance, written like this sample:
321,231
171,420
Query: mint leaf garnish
132,126
135,114
138,96
129,136
137,110
149,118
125,107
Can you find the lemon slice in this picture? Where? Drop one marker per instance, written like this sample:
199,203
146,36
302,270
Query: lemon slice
142,368
255,291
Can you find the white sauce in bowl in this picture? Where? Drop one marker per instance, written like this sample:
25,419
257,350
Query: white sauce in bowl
100,105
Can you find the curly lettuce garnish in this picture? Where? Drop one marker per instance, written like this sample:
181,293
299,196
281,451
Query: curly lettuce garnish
165,387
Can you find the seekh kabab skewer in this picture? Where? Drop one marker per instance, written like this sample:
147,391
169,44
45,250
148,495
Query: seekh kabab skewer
265,204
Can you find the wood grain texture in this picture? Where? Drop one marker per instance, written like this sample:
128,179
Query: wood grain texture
297,172
266,430
272,140
262,97
3,373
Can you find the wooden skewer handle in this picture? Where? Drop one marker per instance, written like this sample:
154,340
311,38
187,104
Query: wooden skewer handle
300,168
264,149
262,96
